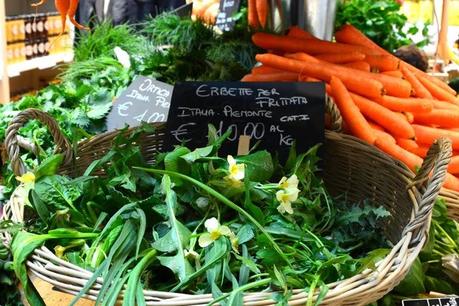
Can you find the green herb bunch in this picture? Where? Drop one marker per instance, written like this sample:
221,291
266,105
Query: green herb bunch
191,50
381,21
198,223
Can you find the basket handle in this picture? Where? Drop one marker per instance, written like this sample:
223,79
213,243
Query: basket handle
429,180
336,121
13,140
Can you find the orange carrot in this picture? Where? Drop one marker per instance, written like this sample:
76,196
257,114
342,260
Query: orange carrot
364,66
305,78
383,62
350,35
301,56
408,144
297,32
419,89
451,182
310,46
324,72
252,14
412,105
437,91
444,105
271,77
379,132
394,73
390,121
338,58
434,80
402,117
409,116
374,126
62,6
72,12
394,86
262,11
453,166
446,118
357,124
427,135
265,69
422,151
409,159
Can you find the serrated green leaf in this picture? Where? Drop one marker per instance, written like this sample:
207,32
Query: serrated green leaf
99,105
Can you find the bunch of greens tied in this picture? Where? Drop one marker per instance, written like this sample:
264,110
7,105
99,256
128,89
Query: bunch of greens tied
198,223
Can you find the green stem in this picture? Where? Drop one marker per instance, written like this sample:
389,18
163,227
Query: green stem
225,201
256,284
445,235
134,277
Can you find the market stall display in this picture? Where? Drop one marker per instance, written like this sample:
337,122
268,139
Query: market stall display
134,216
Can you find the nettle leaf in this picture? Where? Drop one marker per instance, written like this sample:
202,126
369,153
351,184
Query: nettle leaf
99,104
80,118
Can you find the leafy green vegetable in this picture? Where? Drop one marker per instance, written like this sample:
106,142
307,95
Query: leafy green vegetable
381,21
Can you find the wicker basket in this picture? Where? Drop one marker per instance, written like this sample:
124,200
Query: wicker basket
452,200
351,167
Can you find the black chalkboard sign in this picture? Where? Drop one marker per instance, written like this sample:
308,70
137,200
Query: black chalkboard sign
225,18
447,301
275,114
145,100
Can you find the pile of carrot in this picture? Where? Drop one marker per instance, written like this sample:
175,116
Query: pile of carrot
383,100
257,13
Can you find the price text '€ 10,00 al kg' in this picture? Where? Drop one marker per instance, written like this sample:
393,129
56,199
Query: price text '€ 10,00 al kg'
275,114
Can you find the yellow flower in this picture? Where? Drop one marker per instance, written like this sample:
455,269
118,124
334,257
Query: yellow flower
286,197
236,172
214,232
59,250
291,182
28,177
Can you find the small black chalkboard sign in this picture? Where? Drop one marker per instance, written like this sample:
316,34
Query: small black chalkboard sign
145,100
447,301
274,114
225,18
